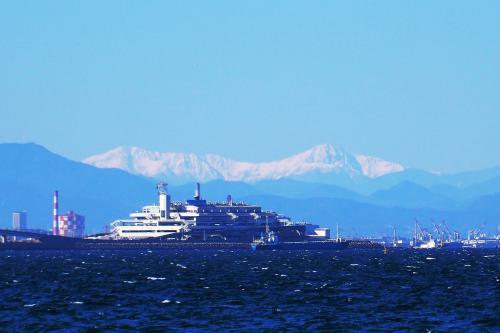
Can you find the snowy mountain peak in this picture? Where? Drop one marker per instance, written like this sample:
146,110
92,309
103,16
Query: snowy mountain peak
118,158
323,153
374,167
322,159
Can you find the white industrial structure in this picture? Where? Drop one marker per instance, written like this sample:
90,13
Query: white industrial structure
152,221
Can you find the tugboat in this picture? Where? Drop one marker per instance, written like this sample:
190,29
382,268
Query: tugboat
268,238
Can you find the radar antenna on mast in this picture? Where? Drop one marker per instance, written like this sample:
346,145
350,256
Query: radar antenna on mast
161,187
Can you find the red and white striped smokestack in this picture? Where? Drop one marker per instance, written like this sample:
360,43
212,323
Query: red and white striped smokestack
55,224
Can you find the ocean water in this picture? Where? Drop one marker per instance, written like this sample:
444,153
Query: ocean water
241,291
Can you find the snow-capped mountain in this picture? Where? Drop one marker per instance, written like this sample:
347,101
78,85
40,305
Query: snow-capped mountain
322,159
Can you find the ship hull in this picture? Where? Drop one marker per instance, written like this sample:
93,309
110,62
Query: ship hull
66,243
317,245
245,234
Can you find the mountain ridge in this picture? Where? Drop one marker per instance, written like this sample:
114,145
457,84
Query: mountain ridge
321,159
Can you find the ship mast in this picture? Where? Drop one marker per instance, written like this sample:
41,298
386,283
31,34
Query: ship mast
415,234
164,199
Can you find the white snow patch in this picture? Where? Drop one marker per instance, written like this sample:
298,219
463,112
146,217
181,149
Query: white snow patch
321,159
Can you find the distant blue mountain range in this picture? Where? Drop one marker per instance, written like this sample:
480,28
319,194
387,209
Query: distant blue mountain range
29,174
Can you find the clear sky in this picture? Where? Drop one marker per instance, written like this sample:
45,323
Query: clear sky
417,82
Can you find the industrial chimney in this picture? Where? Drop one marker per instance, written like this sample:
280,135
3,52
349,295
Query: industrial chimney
197,193
55,222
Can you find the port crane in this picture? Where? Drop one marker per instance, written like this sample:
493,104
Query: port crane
450,236
420,234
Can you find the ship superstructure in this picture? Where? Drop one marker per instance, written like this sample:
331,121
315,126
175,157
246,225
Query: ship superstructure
198,219
151,221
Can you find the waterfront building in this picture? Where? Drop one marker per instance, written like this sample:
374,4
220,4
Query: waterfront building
19,220
71,224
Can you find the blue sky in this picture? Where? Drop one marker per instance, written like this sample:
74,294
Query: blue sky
417,82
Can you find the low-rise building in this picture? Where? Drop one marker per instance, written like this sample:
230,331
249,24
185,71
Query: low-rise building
71,224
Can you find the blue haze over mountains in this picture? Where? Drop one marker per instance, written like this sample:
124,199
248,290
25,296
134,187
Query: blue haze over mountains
29,174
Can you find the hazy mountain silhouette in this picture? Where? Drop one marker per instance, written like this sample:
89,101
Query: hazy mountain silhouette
29,174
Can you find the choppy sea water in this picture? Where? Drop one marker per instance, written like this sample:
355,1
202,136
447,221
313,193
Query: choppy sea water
198,291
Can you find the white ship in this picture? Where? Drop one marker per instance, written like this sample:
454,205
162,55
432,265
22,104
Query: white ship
152,221
197,219
430,244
